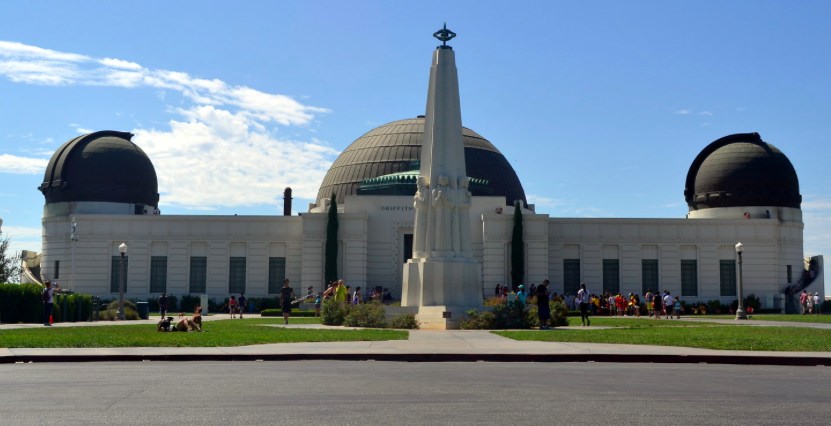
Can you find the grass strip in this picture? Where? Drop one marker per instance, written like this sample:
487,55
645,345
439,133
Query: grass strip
216,334
726,337
816,319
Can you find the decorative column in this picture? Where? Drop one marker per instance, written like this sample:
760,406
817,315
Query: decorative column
442,279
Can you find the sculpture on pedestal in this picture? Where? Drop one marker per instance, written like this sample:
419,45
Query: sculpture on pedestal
421,199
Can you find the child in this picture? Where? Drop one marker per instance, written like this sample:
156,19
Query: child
232,306
317,306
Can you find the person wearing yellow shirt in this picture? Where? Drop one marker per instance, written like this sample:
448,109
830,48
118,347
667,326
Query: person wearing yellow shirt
340,292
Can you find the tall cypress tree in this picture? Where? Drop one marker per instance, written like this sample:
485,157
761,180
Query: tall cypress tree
517,250
331,259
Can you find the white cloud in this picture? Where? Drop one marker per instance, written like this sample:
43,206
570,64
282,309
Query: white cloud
218,158
34,65
707,113
21,165
22,238
682,111
119,63
219,148
542,202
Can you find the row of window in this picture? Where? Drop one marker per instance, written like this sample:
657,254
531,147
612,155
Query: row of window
649,276
198,277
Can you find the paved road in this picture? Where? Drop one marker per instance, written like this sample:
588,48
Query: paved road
319,392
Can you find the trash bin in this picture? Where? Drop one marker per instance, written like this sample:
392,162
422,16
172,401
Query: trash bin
143,310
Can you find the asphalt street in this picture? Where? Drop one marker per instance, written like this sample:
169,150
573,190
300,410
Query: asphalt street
320,392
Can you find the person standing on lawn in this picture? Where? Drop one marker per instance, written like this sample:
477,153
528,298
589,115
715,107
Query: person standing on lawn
163,305
543,310
241,302
286,297
47,296
232,306
583,303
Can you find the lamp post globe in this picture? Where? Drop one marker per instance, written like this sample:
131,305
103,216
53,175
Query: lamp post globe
740,314
123,250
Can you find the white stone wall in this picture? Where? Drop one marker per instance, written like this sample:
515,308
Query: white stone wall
371,234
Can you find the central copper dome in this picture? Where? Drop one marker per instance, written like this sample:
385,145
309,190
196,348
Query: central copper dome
396,147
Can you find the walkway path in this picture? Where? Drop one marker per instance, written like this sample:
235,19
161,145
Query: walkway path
451,345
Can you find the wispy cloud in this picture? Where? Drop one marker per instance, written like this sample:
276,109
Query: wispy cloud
212,157
34,65
707,113
21,165
682,111
220,147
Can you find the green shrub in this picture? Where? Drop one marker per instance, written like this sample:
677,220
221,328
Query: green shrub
279,313
559,314
111,313
405,321
510,315
21,303
188,303
715,307
478,320
366,315
751,301
333,313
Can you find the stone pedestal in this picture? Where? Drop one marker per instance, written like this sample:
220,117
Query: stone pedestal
442,289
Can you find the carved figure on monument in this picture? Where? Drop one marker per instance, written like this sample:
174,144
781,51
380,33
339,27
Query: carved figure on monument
442,209
421,201
463,211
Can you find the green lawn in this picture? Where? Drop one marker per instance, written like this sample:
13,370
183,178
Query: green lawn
685,334
822,319
216,333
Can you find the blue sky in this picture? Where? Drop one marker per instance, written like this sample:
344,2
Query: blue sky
600,106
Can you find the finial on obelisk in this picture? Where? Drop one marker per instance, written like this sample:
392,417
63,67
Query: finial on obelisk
444,35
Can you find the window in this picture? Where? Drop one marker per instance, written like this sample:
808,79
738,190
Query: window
276,274
787,270
236,275
649,275
571,276
408,247
158,274
57,273
727,272
611,275
689,278
198,275
115,275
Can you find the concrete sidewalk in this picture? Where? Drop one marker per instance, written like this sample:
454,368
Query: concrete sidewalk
425,346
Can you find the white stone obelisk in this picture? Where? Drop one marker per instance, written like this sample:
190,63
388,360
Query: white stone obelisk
442,279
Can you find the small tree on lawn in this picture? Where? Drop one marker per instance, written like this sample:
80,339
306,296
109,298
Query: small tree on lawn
9,262
517,250
331,258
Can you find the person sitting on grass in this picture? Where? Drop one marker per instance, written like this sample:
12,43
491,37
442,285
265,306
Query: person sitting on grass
190,324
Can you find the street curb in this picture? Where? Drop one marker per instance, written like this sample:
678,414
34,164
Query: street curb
438,357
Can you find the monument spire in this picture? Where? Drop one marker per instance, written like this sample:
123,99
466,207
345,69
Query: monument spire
442,273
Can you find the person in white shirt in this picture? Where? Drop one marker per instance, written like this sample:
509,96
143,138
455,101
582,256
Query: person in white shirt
817,304
47,296
668,305
582,300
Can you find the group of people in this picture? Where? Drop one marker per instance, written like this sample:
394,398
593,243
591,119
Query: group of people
237,305
810,303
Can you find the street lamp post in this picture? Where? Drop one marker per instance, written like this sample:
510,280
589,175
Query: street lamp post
73,238
740,314
123,250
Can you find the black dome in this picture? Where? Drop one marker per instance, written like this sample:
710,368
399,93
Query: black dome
741,170
102,166
396,147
